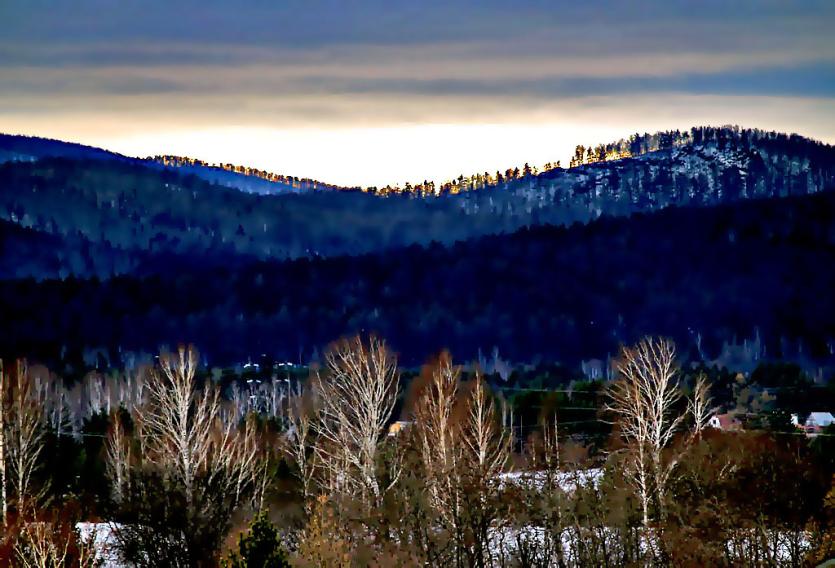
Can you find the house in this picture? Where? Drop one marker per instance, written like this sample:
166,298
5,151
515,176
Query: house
397,427
727,422
817,421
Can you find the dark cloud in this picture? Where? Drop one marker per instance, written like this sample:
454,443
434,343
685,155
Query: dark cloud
815,80
807,80
156,55
596,27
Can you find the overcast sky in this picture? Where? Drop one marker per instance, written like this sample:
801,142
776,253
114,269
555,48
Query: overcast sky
375,92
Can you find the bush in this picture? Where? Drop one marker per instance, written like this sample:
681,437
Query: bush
260,547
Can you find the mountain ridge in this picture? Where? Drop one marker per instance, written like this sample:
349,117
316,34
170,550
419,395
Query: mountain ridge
18,147
224,172
634,146
126,206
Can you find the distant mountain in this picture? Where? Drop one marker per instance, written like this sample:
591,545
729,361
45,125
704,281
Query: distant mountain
244,178
723,141
706,167
128,206
15,148
641,144
135,208
704,276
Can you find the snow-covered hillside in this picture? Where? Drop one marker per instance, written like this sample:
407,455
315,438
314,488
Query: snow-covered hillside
728,166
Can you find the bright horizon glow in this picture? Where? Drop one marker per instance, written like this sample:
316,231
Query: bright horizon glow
374,156
398,153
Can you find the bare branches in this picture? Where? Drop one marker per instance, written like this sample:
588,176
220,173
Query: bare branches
439,438
356,398
117,459
301,445
243,461
24,435
650,390
487,443
182,435
463,448
21,437
180,420
644,399
3,446
36,546
699,406
194,465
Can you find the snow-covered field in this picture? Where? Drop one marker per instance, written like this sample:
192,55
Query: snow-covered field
106,542
568,481
577,546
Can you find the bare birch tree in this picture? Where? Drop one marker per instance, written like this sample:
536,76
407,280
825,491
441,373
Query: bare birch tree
182,434
699,406
644,400
487,442
439,440
301,444
486,451
190,448
179,424
356,397
118,459
3,448
242,460
25,436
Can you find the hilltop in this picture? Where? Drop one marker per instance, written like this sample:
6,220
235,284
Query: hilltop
17,148
130,211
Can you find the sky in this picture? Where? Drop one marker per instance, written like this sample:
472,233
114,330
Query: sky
379,92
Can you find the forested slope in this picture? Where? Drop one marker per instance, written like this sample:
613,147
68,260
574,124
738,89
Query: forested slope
126,208
561,293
